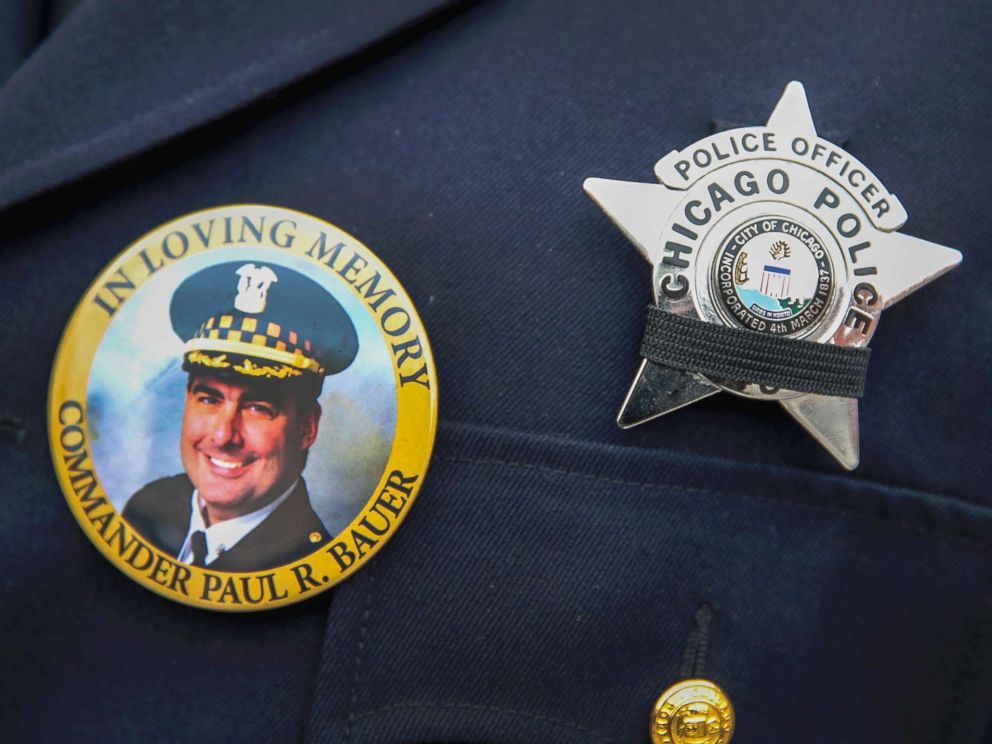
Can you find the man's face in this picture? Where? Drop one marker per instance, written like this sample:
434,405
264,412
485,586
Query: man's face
241,445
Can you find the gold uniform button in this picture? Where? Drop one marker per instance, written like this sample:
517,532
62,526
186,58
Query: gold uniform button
693,711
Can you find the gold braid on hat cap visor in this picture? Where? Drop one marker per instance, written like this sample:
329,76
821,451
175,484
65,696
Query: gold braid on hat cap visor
294,359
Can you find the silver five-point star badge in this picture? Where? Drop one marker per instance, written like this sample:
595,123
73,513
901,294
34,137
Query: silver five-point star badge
783,237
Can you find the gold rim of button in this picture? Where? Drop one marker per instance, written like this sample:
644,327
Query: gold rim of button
693,711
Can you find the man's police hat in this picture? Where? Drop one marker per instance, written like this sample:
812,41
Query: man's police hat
262,322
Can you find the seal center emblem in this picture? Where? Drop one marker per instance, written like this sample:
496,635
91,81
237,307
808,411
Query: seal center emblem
773,274
696,723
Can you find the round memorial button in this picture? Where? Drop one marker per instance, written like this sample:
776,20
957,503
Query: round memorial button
242,407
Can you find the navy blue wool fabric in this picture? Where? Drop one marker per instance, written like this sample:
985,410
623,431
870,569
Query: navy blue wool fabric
544,586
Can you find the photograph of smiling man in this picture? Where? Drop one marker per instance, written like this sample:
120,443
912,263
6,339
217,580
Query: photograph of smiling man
258,342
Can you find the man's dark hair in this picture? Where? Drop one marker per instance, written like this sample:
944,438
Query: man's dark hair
304,393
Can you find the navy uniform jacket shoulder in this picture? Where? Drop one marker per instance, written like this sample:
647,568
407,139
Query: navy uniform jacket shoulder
546,583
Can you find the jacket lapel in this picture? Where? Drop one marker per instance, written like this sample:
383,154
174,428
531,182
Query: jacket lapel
118,78
283,537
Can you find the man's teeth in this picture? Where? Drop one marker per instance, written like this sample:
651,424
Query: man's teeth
227,464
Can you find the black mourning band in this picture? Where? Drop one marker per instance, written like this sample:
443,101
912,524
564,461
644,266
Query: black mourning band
743,355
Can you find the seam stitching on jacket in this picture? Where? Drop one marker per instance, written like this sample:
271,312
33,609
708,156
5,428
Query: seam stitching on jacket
254,71
491,708
248,72
13,427
359,652
723,494
557,439
696,648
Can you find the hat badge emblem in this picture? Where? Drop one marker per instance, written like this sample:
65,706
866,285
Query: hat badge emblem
253,286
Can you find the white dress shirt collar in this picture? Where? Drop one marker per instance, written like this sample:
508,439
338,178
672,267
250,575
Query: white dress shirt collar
223,536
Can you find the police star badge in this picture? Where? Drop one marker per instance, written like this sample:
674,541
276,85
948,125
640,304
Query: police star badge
774,254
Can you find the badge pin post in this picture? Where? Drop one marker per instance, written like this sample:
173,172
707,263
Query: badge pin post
774,253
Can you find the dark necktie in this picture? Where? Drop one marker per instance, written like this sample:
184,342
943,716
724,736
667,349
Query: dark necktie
198,541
